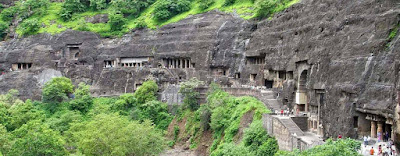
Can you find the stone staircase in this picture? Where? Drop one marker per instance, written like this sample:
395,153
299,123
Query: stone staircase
269,99
291,126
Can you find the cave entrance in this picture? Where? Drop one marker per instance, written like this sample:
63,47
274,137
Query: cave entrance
268,83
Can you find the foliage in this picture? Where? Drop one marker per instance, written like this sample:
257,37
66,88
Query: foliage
229,2
257,139
333,148
116,21
70,7
21,113
166,9
57,90
29,26
83,100
116,135
146,92
62,120
204,4
133,7
4,139
187,89
230,149
264,8
36,138
3,29
98,4
140,24
124,103
157,112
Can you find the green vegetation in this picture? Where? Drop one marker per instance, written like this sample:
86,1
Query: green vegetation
43,16
80,124
334,148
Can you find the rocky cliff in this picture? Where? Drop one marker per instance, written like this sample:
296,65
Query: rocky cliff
331,58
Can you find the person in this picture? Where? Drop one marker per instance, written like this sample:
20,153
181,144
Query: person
281,112
372,151
340,136
379,136
365,141
379,149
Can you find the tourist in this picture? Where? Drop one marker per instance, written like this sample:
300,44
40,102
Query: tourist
281,112
379,149
371,152
379,136
365,141
340,136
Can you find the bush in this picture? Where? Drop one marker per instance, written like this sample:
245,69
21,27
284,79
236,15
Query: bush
8,13
230,149
204,4
166,9
116,135
98,4
264,8
29,26
21,113
146,92
57,90
83,100
187,89
229,2
36,138
3,30
70,7
140,24
257,139
61,121
133,7
157,112
116,21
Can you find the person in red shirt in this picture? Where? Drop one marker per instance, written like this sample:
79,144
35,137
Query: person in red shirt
372,151
340,136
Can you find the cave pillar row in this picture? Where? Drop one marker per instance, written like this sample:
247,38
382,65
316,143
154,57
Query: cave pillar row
373,129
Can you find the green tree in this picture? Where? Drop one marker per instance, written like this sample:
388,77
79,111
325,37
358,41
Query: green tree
98,4
36,138
62,120
204,4
166,9
70,7
4,139
146,92
116,21
187,89
133,7
230,149
111,134
83,100
21,113
257,139
157,112
3,29
29,26
57,90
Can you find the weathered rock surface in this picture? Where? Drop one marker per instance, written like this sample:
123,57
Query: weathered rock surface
340,46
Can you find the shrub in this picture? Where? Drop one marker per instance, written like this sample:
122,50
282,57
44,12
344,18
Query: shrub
56,90
98,4
29,26
83,100
146,92
157,112
116,21
264,8
8,13
3,30
21,113
116,135
140,24
61,121
187,89
204,4
166,9
70,7
257,139
133,7
230,149
36,138
229,2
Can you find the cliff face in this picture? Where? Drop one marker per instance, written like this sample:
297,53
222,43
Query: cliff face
331,58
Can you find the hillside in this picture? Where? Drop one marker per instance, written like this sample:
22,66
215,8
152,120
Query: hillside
116,17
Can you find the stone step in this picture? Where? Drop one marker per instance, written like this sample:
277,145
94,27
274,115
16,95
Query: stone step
291,126
273,104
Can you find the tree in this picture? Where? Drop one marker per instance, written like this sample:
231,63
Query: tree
166,9
98,4
257,139
146,92
264,8
70,7
21,113
29,26
187,89
36,138
111,134
4,139
3,29
83,100
57,90
62,120
157,112
230,149
116,21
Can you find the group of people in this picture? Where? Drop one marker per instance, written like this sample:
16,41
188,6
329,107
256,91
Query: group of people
387,149
284,112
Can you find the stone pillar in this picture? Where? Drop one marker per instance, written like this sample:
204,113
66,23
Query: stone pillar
183,63
380,127
373,129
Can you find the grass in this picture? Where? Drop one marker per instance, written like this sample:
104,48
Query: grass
54,25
